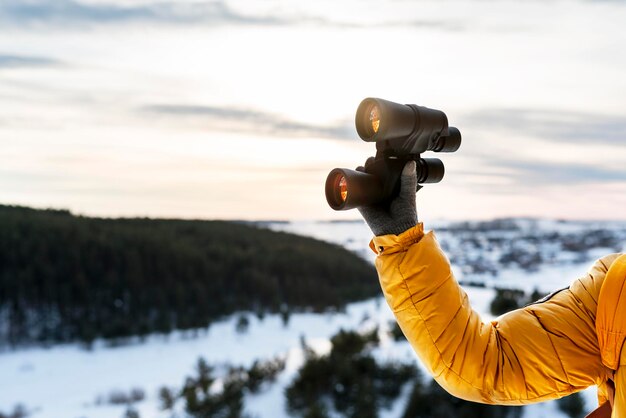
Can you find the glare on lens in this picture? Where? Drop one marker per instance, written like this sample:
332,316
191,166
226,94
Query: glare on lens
375,118
343,188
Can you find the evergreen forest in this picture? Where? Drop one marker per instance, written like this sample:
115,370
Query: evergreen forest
74,278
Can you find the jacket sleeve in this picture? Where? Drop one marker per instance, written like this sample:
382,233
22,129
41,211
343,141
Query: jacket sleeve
544,351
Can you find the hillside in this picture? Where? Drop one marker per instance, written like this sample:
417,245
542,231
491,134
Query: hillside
56,381
66,277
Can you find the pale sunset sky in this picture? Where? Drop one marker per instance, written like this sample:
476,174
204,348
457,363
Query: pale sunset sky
237,109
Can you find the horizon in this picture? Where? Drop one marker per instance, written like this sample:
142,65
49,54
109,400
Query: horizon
343,220
232,109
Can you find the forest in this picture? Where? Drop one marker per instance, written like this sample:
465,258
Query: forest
347,382
74,278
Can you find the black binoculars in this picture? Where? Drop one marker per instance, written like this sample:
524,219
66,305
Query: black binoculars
401,133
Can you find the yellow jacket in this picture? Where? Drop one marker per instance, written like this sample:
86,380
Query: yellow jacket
544,351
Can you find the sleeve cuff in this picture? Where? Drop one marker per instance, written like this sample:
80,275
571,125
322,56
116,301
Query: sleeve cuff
389,244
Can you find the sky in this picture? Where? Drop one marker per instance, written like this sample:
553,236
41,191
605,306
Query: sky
237,109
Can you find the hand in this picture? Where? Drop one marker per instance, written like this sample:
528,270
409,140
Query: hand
402,212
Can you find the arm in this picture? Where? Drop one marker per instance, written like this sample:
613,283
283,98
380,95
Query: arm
541,352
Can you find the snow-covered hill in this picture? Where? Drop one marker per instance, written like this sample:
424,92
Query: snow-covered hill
520,253
68,381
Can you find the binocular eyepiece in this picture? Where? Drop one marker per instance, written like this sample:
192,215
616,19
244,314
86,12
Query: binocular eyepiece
401,133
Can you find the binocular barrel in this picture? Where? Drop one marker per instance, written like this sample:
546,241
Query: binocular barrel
349,189
410,129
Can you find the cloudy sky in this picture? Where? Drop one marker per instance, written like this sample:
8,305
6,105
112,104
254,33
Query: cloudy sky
239,109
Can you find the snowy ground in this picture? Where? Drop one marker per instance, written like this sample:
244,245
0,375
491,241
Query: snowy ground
65,381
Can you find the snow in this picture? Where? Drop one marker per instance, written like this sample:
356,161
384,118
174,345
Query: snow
66,380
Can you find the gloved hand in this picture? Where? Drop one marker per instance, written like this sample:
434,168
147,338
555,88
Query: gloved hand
402,213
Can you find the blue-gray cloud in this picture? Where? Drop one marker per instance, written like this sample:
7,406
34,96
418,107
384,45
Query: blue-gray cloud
19,61
19,12
540,172
243,120
527,176
552,125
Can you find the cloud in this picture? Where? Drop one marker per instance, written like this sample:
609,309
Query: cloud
75,13
243,120
20,61
502,176
566,128
560,126
538,172
20,12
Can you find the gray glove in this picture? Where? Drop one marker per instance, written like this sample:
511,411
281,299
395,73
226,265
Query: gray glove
402,213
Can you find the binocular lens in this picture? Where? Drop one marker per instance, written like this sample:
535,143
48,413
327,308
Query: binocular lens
375,118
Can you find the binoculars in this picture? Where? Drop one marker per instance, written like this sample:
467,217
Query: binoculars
401,133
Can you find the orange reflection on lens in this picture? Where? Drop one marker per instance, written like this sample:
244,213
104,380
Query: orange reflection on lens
343,188
375,118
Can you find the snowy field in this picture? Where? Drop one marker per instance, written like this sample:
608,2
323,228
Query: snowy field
67,380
